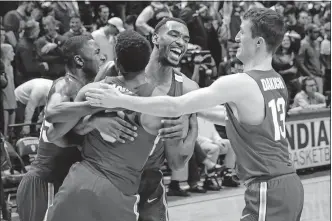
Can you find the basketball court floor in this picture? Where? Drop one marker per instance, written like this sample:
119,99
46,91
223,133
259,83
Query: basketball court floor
227,204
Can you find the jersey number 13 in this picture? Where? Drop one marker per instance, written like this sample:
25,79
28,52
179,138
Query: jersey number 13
277,107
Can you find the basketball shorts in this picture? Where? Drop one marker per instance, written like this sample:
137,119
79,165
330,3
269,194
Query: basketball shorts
87,195
153,204
277,199
32,197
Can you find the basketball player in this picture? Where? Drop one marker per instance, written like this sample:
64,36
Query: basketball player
256,107
105,184
53,162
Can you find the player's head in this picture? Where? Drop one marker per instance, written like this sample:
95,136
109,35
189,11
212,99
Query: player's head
309,85
171,37
7,52
132,53
261,31
82,52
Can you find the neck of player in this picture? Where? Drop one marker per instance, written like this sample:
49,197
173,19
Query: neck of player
260,62
79,75
156,71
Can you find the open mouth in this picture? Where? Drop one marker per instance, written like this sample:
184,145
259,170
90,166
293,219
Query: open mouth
176,53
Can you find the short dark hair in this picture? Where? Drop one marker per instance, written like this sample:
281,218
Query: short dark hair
268,24
101,7
165,20
72,47
132,52
75,16
304,82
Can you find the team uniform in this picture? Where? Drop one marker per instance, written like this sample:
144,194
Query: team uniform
153,203
45,176
104,185
274,190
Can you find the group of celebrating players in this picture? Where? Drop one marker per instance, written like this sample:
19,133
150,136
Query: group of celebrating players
105,135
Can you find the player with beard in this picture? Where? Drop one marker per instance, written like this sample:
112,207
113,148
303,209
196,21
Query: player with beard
170,41
255,123
53,162
115,167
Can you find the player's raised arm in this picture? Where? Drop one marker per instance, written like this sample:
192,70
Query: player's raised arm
231,88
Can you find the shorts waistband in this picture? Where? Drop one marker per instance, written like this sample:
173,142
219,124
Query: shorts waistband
260,179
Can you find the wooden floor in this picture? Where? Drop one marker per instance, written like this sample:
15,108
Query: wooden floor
227,204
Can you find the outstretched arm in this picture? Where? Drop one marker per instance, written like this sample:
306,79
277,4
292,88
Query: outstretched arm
225,89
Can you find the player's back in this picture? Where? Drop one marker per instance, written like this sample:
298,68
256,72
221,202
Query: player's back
262,150
52,162
121,163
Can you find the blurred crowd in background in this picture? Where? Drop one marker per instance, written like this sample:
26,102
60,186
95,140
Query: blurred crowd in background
32,34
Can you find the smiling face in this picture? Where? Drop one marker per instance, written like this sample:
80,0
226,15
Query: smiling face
172,41
286,42
247,44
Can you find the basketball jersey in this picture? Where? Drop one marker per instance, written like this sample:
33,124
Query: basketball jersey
157,159
262,150
121,163
52,163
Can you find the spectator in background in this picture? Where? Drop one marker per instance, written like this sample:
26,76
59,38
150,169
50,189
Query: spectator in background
105,37
29,96
63,11
295,30
283,62
231,65
308,57
27,64
8,95
150,16
3,84
325,53
76,28
130,22
48,49
14,21
303,20
102,17
2,35
308,98
213,145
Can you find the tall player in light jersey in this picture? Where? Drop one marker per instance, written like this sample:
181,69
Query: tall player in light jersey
256,107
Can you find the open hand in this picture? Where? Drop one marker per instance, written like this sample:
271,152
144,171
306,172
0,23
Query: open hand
174,128
115,127
107,97
48,47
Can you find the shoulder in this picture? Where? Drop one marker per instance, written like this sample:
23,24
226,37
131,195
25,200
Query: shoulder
188,84
300,95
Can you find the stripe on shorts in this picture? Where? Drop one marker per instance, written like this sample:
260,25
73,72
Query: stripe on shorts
262,201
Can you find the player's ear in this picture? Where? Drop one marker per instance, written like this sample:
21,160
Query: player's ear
155,39
79,61
260,41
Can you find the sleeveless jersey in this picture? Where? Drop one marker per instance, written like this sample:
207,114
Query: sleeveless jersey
52,163
121,163
262,150
157,159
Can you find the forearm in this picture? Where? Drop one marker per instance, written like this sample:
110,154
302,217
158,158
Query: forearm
29,111
58,130
66,111
84,126
216,115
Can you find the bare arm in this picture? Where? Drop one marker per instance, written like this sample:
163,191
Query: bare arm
143,18
178,156
192,102
34,100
